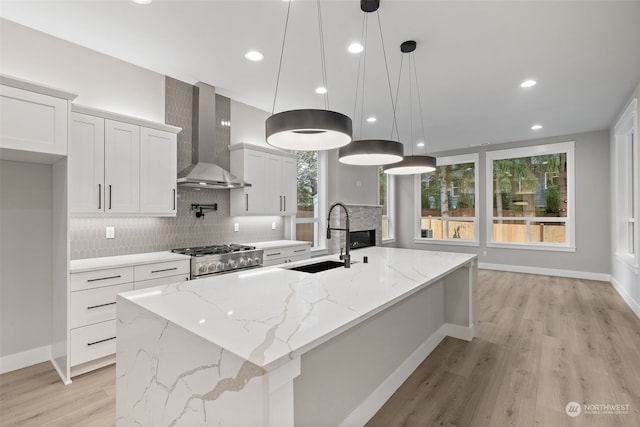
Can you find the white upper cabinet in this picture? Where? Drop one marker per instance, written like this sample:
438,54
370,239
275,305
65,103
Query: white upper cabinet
121,165
273,178
33,121
86,163
158,171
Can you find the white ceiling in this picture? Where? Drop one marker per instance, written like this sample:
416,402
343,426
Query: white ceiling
471,57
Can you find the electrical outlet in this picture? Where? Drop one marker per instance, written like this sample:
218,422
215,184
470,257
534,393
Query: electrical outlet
111,233
273,225
236,226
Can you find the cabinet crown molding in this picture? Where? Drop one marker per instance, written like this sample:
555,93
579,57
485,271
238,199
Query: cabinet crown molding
125,119
36,87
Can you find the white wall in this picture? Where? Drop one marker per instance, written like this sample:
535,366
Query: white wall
592,213
626,281
247,124
101,81
352,184
25,256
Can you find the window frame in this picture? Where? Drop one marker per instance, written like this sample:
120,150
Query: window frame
625,214
321,246
531,151
391,236
445,161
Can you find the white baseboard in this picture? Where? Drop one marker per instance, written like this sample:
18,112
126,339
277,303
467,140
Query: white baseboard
371,405
633,304
546,271
12,362
461,332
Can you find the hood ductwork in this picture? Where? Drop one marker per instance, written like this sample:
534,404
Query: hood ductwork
203,172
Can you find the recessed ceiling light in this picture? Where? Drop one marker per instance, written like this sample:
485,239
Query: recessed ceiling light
355,48
142,1
528,83
254,55
420,144
371,119
321,90
536,127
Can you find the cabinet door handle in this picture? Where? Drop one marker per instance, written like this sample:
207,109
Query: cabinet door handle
285,203
280,203
109,196
274,254
99,196
104,278
247,202
98,342
164,269
300,250
174,199
101,305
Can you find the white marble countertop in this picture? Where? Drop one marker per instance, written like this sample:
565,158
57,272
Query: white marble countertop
273,244
271,314
86,264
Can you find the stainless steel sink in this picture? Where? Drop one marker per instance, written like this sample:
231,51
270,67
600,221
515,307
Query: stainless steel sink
318,266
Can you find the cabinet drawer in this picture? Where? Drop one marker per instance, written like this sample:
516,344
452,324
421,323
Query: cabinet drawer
94,305
161,281
293,251
162,269
92,342
99,278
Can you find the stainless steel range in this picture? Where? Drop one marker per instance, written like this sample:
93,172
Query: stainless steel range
216,259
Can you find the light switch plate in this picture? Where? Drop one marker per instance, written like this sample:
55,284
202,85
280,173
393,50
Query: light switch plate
111,232
273,225
236,226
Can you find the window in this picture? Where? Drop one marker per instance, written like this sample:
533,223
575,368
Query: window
310,198
531,198
447,201
626,184
385,199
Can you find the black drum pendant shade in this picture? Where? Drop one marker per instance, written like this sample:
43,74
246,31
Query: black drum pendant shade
371,152
412,165
308,130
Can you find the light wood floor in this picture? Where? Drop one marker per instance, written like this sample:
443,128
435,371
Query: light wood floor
544,342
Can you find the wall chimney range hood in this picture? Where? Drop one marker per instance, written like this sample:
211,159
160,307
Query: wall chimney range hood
203,172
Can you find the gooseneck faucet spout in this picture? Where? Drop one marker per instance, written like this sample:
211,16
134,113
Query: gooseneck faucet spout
346,257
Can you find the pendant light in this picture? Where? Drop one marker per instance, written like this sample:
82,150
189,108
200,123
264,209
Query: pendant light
367,152
307,129
413,164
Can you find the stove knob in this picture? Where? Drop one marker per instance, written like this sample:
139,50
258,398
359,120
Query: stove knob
220,266
232,263
203,268
257,261
243,262
212,268
250,261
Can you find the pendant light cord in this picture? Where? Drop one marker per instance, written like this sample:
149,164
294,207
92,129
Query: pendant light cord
284,38
415,71
386,65
395,106
360,61
322,56
410,106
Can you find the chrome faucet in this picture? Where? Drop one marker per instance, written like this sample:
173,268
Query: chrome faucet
346,257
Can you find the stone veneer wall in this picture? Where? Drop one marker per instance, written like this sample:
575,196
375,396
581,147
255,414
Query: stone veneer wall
361,217
137,235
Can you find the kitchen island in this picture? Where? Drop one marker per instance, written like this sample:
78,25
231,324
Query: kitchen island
279,347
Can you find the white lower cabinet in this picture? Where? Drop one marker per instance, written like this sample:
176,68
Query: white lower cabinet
284,255
92,307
